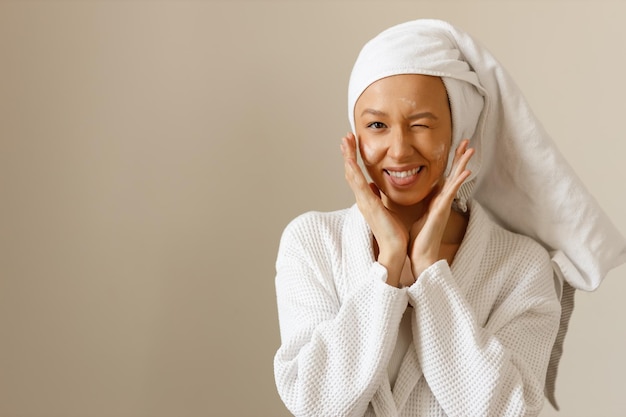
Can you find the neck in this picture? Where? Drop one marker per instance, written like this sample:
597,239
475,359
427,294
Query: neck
406,214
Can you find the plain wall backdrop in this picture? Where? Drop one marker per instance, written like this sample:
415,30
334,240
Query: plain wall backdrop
151,152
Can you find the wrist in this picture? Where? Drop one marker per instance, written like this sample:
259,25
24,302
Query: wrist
419,267
393,263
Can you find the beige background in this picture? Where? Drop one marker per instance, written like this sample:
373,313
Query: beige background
151,153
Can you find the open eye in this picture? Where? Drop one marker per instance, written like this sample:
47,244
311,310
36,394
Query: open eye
377,125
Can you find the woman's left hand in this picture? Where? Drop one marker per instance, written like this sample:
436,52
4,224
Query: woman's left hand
427,233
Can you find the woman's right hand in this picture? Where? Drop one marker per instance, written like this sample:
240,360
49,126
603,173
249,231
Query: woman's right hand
391,235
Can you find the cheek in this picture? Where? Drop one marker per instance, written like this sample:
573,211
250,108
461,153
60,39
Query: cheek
440,155
370,153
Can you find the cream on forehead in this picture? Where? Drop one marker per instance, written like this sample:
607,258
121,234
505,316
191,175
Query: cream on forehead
408,101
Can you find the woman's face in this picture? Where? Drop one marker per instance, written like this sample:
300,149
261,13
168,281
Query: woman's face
404,127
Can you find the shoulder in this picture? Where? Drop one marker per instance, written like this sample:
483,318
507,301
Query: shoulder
515,263
511,248
314,231
312,244
520,247
315,224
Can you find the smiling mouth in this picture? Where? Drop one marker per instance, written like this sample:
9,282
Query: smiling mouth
404,174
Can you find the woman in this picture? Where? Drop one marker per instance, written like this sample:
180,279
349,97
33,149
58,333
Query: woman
414,301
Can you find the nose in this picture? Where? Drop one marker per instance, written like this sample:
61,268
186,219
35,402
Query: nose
400,144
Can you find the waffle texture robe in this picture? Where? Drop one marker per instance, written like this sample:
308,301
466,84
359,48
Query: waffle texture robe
482,328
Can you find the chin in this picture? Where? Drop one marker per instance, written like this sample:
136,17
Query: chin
406,200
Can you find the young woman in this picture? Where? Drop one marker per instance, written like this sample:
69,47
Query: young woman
414,302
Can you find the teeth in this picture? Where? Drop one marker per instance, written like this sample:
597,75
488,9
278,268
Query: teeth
404,174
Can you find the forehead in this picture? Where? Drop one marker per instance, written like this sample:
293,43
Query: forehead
409,89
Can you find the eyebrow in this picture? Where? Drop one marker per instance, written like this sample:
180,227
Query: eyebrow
421,115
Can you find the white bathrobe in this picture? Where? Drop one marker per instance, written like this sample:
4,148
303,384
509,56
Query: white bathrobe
482,328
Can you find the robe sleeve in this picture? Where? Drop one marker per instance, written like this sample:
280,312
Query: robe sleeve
332,355
495,367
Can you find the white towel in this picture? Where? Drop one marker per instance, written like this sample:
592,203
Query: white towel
519,175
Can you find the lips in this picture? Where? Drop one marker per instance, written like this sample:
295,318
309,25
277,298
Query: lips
404,174
403,178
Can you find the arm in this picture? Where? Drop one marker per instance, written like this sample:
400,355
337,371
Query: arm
389,232
333,355
497,368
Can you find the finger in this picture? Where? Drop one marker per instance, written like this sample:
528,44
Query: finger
458,153
366,194
457,176
453,183
353,172
462,156
375,189
348,144
464,160
459,171
348,149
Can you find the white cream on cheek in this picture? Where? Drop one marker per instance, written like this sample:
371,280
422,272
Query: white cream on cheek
440,157
368,153
440,153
